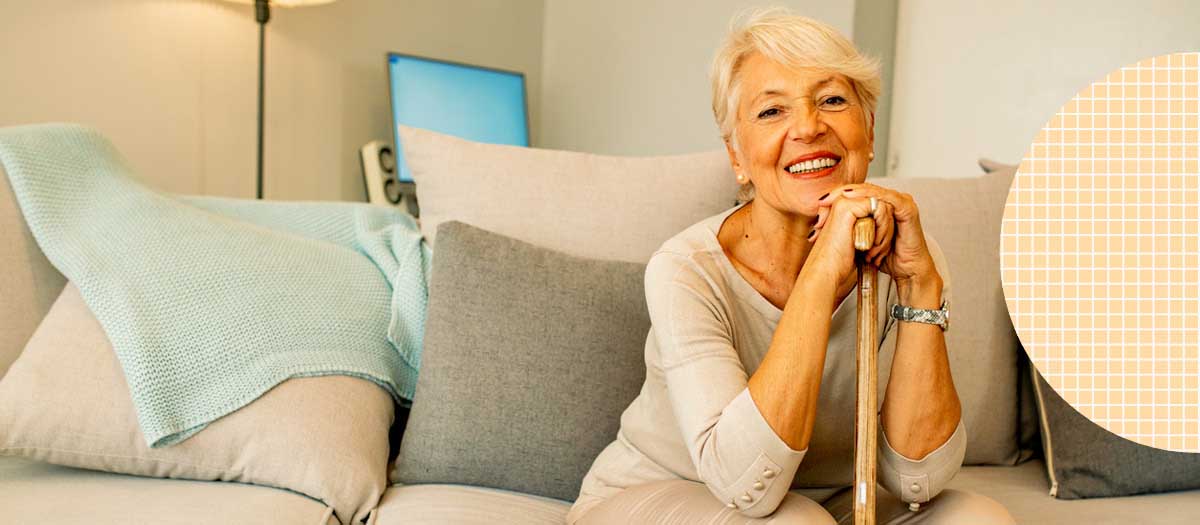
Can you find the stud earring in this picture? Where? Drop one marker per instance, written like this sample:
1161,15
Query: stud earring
871,156
741,178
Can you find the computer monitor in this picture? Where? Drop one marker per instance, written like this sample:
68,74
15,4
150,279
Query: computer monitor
473,102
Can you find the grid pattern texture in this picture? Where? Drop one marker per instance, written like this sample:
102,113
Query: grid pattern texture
1099,252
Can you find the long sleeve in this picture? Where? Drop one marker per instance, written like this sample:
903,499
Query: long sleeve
736,453
919,480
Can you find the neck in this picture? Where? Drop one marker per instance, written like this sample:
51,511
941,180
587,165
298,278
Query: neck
778,242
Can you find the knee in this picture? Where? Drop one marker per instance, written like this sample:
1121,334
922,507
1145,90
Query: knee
960,506
798,509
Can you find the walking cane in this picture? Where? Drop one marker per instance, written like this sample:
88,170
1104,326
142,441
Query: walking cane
865,423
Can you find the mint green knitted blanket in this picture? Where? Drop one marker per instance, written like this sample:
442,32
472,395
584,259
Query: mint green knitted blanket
210,302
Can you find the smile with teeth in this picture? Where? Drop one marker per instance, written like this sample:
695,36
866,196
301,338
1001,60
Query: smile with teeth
810,166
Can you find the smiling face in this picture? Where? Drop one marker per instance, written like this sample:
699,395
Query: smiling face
800,134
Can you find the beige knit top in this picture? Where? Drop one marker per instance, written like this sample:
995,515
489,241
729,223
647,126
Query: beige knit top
694,418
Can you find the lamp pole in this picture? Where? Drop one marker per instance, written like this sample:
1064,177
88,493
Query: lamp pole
262,14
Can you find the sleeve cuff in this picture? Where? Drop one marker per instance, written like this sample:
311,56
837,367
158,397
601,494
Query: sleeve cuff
918,481
770,465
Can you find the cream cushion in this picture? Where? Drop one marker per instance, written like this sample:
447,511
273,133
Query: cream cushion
601,207
65,401
1023,490
36,492
462,505
28,283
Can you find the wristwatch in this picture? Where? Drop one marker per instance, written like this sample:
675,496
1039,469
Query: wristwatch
940,317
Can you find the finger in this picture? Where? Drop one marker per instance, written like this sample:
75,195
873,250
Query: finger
903,207
828,198
881,244
883,219
884,227
826,201
842,215
889,243
886,249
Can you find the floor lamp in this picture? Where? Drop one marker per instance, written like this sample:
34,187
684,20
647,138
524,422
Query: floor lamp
262,15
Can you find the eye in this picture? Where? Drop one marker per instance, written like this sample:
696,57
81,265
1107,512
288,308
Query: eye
835,101
769,112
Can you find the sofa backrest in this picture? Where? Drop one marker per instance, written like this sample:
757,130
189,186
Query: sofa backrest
29,284
962,214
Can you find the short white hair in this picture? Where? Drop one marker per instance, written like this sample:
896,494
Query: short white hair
794,41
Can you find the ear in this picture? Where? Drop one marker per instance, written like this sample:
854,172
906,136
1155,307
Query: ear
733,159
871,129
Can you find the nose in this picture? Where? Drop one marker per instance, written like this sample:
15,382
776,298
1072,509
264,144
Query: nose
807,126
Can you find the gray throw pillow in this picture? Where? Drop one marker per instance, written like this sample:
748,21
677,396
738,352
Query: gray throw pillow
1084,460
530,357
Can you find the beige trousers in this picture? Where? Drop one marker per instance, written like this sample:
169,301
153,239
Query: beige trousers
687,502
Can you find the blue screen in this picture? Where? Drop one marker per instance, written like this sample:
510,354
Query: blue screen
474,103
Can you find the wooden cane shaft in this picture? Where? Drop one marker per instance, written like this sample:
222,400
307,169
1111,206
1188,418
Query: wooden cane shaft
866,399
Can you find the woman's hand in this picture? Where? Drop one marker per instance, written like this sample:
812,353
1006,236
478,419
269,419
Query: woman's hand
899,249
832,257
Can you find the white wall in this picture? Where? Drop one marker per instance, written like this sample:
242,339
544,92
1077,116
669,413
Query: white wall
630,77
981,77
173,82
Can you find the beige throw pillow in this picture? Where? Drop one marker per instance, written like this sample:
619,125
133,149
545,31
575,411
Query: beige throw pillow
594,206
65,401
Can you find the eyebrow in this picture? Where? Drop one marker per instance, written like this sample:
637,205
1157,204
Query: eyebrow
774,92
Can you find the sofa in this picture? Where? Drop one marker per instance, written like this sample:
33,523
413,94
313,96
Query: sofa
963,214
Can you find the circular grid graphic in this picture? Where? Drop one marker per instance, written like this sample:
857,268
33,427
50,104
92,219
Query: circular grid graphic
1099,258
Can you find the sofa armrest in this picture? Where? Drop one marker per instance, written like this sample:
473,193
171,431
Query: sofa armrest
29,284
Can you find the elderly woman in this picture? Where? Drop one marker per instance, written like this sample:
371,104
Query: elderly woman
748,407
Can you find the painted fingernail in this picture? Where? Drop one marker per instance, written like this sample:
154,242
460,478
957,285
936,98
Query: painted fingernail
823,197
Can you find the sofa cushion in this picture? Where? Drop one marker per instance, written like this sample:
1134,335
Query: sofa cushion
1085,460
65,401
1023,491
462,505
530,357
964,216
28,282
36,492
597,206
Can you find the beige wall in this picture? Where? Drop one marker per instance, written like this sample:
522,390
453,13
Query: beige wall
981,77
630,77
173,82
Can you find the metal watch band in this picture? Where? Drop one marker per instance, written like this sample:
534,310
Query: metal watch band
940,317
